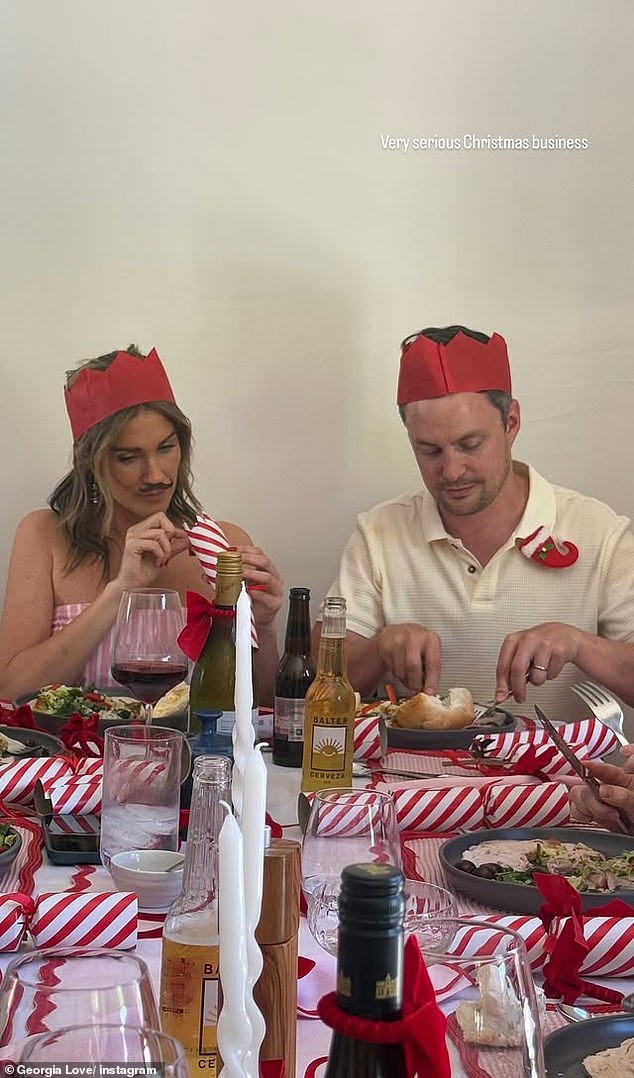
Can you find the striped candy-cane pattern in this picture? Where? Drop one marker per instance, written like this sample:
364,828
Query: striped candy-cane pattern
596,739
107,919
18,778
79,796
439,810
89,765
207,541
507,805
74,825
367,738
611,942
127,776
361,812
12,923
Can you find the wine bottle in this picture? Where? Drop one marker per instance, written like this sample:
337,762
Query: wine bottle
329,708
213,680
190,956
295,673
369,969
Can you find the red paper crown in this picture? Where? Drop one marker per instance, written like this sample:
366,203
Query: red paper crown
129,380
462,366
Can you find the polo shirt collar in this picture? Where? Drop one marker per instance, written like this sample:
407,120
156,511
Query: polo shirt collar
540,511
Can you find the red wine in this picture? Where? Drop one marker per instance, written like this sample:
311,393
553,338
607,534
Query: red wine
148,681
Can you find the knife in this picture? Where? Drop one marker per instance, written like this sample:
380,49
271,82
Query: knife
579,767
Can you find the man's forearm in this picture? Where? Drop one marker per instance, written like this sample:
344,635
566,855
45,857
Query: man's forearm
610,662
365,666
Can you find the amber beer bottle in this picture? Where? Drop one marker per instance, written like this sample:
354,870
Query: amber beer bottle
295,673
213,681
189,965
330,708
369,969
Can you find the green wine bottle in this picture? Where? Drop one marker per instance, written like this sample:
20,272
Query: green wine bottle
213,680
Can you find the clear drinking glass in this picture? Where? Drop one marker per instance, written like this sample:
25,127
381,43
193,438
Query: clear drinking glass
483,983
52,988
143,767
146,658
423,902
109,1044
345,827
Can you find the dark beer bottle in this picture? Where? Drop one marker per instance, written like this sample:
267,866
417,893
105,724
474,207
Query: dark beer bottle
295,673
369,969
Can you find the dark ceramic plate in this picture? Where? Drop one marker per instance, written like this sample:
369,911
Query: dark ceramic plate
53,721
565,1049
8,856
514,897
36,742
400,738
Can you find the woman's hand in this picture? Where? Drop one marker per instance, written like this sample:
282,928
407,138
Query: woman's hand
616,790
264,584
148,547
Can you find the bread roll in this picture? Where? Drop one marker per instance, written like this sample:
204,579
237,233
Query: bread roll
423,712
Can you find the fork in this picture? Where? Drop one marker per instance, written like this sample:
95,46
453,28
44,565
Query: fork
603,706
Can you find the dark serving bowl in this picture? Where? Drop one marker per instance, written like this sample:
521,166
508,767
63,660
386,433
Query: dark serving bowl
565,1049
7,857
53,721
515,897
36,742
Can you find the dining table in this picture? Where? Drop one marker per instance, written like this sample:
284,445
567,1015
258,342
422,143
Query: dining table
33,874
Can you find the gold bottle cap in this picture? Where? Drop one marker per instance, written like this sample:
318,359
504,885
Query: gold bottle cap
229,563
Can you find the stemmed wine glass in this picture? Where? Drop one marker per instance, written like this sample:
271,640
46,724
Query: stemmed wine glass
146,657
345,827
109,1043
50,988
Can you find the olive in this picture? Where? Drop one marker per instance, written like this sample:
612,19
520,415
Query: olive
465,866
487,872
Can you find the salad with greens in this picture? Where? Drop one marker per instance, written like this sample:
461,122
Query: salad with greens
8,837
67,700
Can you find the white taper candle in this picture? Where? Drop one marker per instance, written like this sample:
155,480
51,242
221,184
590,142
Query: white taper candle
253,825
243,732
234,1027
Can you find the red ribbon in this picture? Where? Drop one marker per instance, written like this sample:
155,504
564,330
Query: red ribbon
80,735
17,716
421,1030
568,947
192,638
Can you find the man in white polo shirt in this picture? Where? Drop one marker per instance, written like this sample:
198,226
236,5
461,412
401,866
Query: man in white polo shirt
491,574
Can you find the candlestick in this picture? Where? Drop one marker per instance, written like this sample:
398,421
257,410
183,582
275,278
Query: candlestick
252,825
243,732
234,1027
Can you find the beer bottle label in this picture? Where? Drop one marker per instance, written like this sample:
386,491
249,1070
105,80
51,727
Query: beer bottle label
289,718
327,748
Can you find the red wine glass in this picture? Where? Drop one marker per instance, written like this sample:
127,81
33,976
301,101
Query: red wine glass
146,658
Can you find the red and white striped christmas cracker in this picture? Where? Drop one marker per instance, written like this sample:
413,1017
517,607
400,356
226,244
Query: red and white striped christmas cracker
596,739
611,941
89,765
18,777
127,776
507,805
80,794
367,738
439,810
207,541
12,922
84,919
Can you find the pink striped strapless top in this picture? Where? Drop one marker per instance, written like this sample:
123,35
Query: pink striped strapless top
96,670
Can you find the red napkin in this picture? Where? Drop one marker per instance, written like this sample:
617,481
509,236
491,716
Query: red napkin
17,716
421,1030
568,947
192,638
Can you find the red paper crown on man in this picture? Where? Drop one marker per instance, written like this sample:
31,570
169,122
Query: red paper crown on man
464,365
129,380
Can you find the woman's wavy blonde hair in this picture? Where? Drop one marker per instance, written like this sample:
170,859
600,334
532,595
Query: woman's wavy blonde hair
82,500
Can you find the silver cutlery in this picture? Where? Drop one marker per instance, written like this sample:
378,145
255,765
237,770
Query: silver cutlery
362,771
582,1014
603,706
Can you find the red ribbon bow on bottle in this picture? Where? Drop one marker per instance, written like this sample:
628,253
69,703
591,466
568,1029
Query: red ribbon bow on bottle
192,638
421,1030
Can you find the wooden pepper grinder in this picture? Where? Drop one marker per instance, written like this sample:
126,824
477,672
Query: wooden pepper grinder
275,992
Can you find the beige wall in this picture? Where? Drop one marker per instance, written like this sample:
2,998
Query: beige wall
210,179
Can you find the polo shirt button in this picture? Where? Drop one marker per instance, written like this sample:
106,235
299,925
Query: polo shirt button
471,569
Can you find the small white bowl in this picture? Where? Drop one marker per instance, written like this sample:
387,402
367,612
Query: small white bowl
146,872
